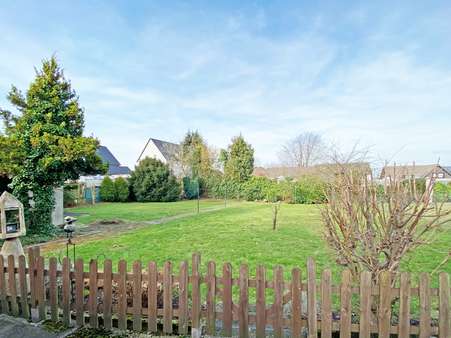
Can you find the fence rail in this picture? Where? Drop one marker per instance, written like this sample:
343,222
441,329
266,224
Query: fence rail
146,298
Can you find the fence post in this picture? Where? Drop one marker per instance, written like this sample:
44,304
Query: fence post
311,299
243,318
152,275
211,296
345,300
278,302
384,304
365,304
444,311
261,302
195,329
137,296
326,304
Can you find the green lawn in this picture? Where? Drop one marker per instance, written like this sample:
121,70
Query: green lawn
241,233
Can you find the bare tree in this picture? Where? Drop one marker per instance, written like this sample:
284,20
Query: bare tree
303,151
372,226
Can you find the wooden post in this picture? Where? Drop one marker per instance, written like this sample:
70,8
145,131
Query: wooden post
425,306
167,298
3,301
345,299
122,288
365,304
137,296
296,302
23,287
278,302
79,293
261,302
152,297
12,285
404,306
66,290
384,304
183,299
311,299
244,302
326,304
92,301
32,275
107,293
196,330
227,299
53,289
211,296
40,287
444,311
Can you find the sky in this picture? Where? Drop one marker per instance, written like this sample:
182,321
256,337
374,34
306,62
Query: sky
377,73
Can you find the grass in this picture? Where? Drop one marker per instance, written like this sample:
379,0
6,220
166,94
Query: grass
240,233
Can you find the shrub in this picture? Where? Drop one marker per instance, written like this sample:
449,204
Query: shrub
120,190
261,189
107,190
442,191
309,190
152,181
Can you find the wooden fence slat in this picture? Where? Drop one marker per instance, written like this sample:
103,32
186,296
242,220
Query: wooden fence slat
244,302
167,298
425,305
227,302
261,302
3,301
404,306
444,311
296,303
53,289
79,292
137,296
345,300
384,315
311,299
326,304
32,276
152,275
107,293
278,302
195,320
365,304
66,291
92,300
183,299
12,286
122,289
23,287
211,299
40,287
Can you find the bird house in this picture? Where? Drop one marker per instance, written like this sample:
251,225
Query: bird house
11,217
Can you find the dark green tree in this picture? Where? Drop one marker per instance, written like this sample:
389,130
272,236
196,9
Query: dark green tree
120,189
152,181
195,155
238,160
107,190
46,142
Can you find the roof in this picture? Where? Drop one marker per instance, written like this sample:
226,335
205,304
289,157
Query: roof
447,169
409,170
114,167
167,149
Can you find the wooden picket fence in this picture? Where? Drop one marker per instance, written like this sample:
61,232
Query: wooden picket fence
146,298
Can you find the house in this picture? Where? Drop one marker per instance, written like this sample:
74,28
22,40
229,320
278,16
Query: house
164,151
416,171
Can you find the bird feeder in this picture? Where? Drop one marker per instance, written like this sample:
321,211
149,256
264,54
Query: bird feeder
12,224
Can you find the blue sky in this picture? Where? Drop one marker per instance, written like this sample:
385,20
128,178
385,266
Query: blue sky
377,72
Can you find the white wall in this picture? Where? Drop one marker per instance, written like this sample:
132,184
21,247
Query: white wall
152,152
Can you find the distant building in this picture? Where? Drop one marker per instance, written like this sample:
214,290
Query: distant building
164,151
416,171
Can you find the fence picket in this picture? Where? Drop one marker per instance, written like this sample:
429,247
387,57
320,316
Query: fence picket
167,298
243,318
79,292
384,315
12,286
404,306
365,304
3,301
278,302
107,293
40,287
425,306
227,314
444,312
92,300
195,320
137,296
211,296
122,295
296,302
345,299
183,298
32,276
311,299
261,302
53,289
326,304
152,275
23,287
66,292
